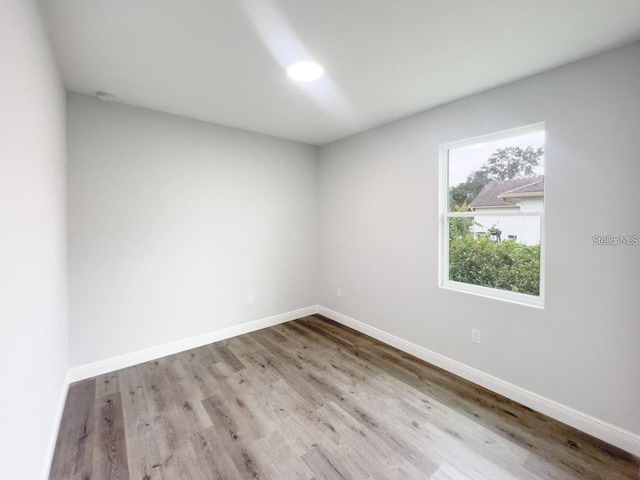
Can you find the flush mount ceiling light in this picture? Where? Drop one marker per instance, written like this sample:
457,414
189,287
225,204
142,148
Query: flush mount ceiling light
306,71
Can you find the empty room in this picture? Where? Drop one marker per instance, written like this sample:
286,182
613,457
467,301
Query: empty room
346,239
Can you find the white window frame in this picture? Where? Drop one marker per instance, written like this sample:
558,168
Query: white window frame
444,215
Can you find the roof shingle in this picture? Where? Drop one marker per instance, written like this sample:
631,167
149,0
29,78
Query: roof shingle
490,195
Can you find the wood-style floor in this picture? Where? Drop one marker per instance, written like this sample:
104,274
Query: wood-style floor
311,399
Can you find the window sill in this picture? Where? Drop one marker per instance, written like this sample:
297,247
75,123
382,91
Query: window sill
495,294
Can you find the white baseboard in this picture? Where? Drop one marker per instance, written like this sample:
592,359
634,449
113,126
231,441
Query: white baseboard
612,434
116,363
605,431
56,428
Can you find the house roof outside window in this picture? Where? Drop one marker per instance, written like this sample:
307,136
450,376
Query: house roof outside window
507,193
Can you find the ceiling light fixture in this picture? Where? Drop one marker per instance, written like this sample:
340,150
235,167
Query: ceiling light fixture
305,71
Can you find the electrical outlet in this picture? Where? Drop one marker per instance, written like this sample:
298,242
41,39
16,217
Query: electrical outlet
250,300
476,336
339,293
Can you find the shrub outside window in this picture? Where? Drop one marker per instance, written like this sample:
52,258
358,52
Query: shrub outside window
492,215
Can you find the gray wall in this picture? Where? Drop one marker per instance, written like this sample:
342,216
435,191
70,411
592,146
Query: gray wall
378,229
33,281
173,222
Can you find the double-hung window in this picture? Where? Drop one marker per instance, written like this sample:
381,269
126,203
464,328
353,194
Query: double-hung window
492,215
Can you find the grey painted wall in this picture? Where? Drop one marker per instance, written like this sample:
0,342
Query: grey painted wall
174,222
33,258
378,228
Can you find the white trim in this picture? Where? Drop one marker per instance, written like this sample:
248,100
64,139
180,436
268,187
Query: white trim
152,353
46,469
473,213
495,293
520,195
605,431
479,208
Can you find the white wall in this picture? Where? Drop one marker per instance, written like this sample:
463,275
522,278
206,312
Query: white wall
526,229
173,222
379,237
33,282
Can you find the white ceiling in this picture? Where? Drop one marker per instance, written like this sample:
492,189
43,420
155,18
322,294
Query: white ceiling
223,60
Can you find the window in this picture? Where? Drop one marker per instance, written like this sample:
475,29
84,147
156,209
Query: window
492,215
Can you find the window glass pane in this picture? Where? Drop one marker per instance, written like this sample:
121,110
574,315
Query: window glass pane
500,175
498,252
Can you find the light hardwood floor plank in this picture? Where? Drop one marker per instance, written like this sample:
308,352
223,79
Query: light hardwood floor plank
312,399
73,457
